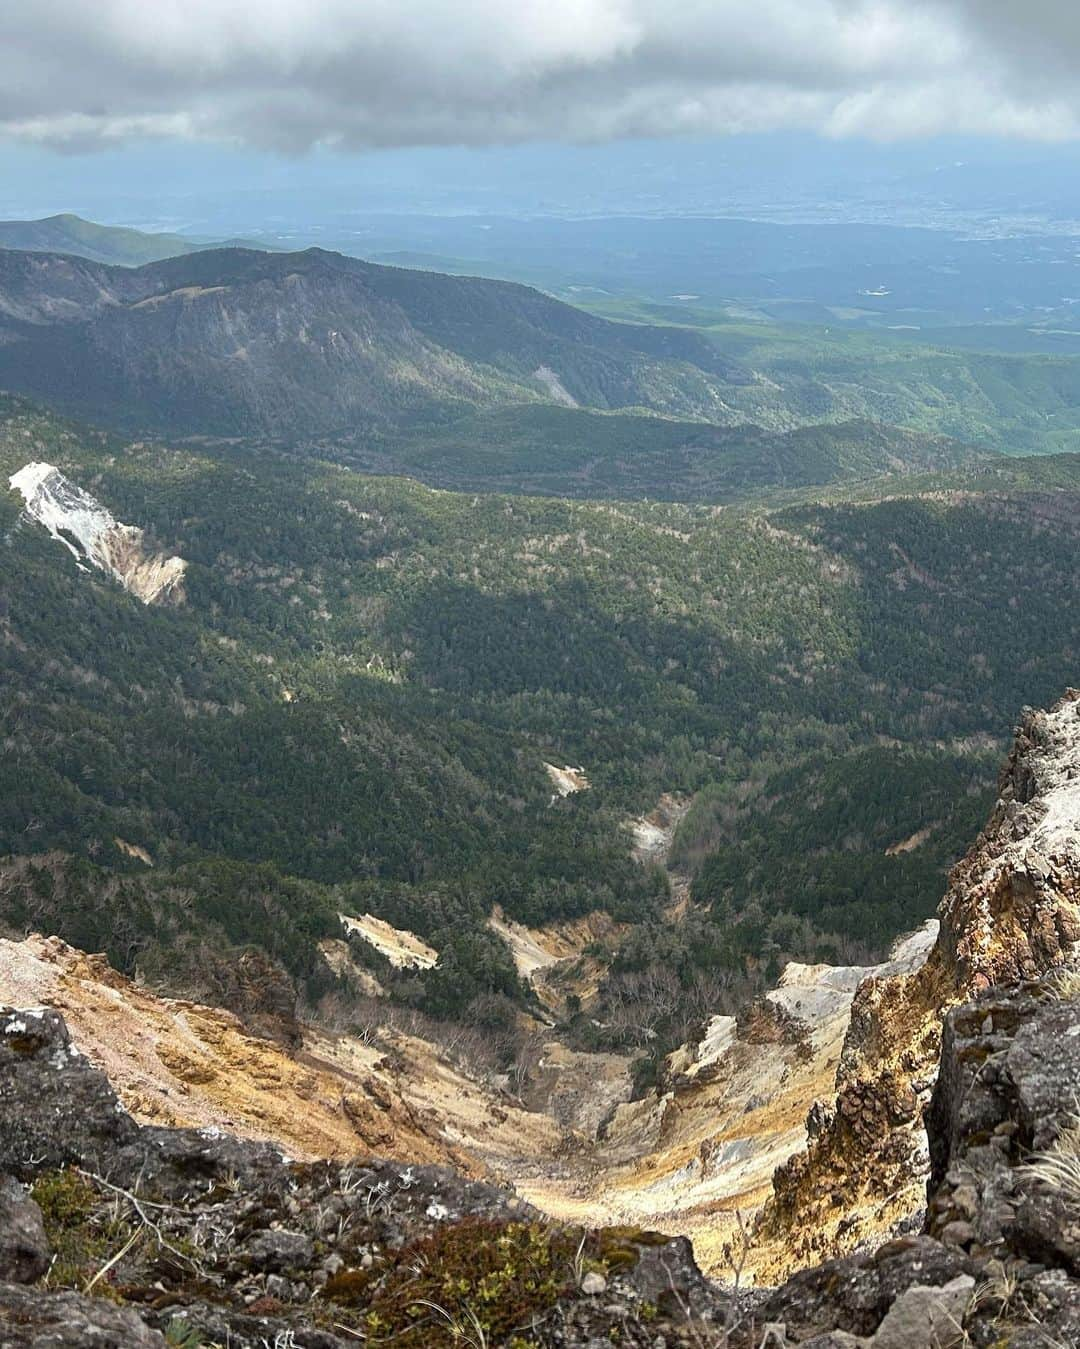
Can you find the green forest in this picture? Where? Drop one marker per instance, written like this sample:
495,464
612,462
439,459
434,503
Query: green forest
352,710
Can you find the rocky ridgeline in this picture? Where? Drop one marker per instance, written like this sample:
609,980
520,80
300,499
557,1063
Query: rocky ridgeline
1011,912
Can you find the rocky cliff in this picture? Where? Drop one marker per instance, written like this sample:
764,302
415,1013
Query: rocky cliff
1012,911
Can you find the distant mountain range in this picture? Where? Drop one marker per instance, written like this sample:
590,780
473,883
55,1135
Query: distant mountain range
460,381
240,342
441,375
115,244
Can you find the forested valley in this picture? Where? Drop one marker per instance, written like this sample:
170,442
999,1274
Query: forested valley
353,709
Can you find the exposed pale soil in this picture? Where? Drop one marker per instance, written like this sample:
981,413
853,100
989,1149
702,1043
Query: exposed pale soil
909,844
654,833
552,959
567,780
178,1063
134,850
404,949
554,387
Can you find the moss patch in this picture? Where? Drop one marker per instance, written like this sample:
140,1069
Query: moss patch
474,1276
84,1231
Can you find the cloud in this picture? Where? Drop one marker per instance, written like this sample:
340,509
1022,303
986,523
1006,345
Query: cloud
290,74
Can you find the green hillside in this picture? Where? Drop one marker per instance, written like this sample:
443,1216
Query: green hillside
353,710
115,244
1016,403
579,453
85,239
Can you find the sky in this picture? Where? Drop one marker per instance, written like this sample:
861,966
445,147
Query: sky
287,75
259,92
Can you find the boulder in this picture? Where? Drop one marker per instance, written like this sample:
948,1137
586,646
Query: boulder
24,1249
32,1319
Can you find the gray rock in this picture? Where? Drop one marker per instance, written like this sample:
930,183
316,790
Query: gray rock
24,1249
33,1319
926,1318
854,1294
278,1287
57,1110
670,1272
277,1250
958,1233
54,1107
1002,1095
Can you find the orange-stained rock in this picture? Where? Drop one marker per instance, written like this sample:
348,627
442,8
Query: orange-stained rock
1011,912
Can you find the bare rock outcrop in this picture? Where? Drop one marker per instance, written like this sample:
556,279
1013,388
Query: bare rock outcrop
999,1260
1004,1129
1011,912
70,1320
95,538
24,1247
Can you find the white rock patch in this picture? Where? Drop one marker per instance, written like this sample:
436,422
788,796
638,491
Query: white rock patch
567,781
556,389
93,536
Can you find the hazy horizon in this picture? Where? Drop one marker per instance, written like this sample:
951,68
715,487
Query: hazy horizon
276,116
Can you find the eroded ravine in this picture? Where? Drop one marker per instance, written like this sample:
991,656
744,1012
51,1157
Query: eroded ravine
842,1059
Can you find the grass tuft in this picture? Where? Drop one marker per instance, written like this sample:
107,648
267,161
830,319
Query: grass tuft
1064,983
1057,1168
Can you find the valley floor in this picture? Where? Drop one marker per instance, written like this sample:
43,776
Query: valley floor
694,1157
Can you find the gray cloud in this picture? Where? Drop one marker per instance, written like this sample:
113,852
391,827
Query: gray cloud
289,74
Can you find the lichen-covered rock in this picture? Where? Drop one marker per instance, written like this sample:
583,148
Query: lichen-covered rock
32,1319
276,1250
927,1317
54,1108
1008,1090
